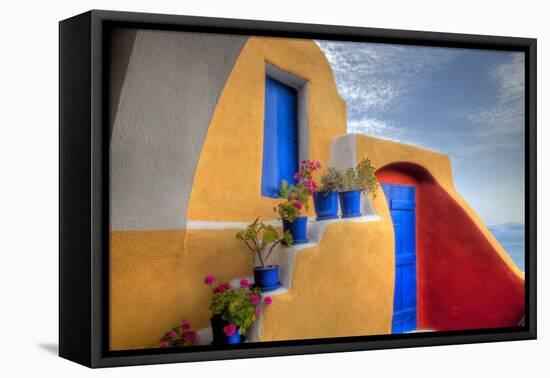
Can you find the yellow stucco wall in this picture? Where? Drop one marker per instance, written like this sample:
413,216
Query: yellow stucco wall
156,279
382,152
342,287
228,175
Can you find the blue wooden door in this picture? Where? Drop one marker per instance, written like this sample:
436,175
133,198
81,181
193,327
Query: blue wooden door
402,203
280,147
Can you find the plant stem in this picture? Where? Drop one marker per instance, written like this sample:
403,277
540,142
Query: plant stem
262,263
259,252
248,245
272,247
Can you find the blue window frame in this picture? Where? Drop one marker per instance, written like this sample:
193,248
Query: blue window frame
280,147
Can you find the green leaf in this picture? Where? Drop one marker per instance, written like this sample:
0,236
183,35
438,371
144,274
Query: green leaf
270,234
288,238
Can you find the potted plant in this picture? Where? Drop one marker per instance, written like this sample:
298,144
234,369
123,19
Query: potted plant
326,198
234,310
262,240
296,197
179,336
357,180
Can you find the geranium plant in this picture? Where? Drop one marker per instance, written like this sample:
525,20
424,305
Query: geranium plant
179,336
361,178
296,196
262,239
237,307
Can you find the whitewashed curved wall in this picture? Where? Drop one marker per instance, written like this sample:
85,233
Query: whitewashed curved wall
161,107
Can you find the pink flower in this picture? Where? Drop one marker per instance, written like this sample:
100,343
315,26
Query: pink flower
190,335
317,165
164,344
222,288
311,186
244,282
209,279
268,300
170,336
185,324
229,329
258,311
254,299
297,205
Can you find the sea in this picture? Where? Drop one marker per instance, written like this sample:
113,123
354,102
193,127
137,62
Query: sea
511,237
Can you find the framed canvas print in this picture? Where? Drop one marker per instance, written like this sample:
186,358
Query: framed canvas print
233,188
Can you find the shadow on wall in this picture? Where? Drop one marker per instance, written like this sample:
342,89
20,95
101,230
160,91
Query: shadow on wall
122,44
463,282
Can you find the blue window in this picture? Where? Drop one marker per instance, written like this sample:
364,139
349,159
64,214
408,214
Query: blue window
401,201
280,149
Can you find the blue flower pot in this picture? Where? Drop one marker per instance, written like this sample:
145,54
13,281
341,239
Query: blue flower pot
297,229
218,335
235,338
326,205
350,203
267,278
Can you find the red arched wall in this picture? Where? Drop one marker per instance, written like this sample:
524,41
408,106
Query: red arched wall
462,281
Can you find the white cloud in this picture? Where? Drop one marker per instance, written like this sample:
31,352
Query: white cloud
377,79
370,95
510,78
381,129
374,127
503,124
374,77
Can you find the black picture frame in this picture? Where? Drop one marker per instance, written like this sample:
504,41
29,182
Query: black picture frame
84,187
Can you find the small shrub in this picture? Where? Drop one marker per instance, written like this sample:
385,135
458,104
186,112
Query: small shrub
361,178
332,180
259,238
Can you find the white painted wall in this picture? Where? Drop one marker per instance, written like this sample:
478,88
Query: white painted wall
342,153
167,97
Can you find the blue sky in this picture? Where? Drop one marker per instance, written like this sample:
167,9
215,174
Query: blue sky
466,103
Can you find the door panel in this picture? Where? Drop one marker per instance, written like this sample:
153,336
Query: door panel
401,201
280,147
